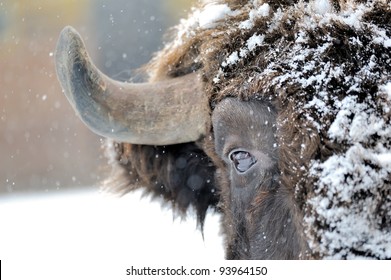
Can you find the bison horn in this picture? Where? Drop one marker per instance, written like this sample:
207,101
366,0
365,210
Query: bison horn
158,113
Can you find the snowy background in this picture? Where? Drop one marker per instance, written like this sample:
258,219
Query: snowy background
48,157
90,225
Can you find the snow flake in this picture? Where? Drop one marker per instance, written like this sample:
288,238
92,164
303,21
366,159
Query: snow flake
211,14
321,7
254,14
231,60
253,42
353,17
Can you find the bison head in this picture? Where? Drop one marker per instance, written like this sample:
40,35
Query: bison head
276,113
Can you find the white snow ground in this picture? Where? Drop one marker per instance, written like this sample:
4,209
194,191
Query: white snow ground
86,226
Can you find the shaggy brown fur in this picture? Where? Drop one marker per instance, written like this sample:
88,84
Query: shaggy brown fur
266,74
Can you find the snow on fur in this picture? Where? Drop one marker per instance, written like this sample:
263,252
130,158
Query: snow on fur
348,214
352,198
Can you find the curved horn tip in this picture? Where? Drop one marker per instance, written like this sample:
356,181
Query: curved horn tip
72,62
69,34
69,43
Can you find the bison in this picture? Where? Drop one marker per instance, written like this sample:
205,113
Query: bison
274,112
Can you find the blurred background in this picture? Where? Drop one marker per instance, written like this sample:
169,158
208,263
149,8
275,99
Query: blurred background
44,147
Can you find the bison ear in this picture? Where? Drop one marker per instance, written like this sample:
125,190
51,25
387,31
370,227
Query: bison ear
182,174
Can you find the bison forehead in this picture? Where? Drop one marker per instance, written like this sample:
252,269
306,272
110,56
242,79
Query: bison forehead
327,66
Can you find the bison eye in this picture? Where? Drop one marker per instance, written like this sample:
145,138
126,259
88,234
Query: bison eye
242,160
